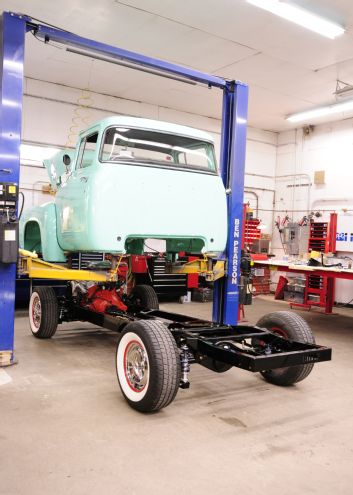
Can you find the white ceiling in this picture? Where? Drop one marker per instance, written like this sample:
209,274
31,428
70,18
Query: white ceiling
288,68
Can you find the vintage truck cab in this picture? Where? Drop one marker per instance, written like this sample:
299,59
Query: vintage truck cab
129,180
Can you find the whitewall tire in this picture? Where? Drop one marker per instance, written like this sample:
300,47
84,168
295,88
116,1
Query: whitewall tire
43,312
148,365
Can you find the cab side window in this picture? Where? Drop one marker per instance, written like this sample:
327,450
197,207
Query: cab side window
86,151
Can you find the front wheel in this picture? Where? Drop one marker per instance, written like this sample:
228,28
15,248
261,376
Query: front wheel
43,312
293,327
148,365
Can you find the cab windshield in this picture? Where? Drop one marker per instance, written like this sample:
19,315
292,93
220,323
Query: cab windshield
148,147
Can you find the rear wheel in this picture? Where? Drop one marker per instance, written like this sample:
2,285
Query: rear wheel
43,312
148,365
144,296
293,327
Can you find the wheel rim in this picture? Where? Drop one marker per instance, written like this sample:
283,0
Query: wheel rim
279,331
136,366
36,311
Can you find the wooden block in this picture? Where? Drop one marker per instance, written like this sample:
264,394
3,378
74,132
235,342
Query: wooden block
5,358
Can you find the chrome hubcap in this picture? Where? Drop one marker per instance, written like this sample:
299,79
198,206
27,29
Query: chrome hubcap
136,366
36,312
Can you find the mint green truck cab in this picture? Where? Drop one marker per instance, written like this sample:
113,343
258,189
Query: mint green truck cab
129,180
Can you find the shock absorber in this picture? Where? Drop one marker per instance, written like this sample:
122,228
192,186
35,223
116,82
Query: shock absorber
185,366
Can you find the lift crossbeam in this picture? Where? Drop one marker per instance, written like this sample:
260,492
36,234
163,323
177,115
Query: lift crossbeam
47,34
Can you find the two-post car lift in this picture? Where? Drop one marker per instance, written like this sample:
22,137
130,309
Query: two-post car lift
156,367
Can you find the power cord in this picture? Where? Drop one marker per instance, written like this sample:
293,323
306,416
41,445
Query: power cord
22,205
154,250
45,23
328,266
342,305
59,47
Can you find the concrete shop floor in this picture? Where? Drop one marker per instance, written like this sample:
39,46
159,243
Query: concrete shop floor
66,429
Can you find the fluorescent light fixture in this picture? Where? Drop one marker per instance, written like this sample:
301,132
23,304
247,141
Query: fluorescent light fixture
316,113
300,16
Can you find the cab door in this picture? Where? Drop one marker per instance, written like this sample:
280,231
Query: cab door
73,198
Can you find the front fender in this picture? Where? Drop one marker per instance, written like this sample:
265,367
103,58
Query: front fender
45,217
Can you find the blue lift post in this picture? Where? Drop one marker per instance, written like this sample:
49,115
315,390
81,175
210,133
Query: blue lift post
232,169
11,90
234,122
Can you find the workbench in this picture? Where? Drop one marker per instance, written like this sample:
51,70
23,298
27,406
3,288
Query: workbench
330,273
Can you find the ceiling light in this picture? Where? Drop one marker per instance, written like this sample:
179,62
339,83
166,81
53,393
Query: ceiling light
316,113
300,16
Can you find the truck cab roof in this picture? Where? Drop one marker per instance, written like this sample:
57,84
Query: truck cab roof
155,125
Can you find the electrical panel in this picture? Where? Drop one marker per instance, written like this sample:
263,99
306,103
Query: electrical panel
8,222
295,238
290,238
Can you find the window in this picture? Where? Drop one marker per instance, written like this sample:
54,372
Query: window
148,147
86,151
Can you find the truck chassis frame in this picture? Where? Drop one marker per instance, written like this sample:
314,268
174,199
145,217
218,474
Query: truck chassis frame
156,347
226,344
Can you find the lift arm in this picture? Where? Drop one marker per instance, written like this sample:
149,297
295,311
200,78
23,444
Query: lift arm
203,267
33,267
